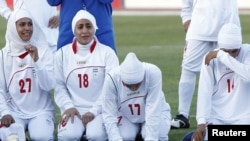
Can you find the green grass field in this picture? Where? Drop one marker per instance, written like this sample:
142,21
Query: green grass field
158,40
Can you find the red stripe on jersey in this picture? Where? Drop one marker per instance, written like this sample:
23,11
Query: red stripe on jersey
23,55
91,48
74,47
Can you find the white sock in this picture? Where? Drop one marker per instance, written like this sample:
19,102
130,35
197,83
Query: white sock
186,91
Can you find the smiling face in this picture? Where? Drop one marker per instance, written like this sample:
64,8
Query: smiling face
84,31
24,28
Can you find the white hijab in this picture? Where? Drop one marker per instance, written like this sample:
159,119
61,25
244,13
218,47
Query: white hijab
229,36
14,43
132,69
83,14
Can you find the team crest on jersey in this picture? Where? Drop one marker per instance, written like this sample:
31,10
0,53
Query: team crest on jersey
133,93
34,73
81,62
95,72
21,65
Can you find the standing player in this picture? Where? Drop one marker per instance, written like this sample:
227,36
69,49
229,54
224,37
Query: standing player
134,102
26,79
224,83
211,15
45,18
80,69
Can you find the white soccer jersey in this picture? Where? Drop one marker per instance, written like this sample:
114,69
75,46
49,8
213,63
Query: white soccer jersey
25,85
80,78
224,87
145,105
210,15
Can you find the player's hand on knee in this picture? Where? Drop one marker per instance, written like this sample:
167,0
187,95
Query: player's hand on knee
199,133
7,120
70,114
87,117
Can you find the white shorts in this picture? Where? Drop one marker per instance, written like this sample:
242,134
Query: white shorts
194,52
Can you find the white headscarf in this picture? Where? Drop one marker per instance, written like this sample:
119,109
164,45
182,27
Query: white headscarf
131,69
230,37
83,14
13,41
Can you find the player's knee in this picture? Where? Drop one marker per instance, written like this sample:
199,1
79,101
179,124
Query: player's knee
128,136
42,137
96,136
163,138
42,133
143,135
60,138
68,138
69,135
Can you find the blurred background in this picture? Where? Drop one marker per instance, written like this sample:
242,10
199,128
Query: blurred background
155,6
